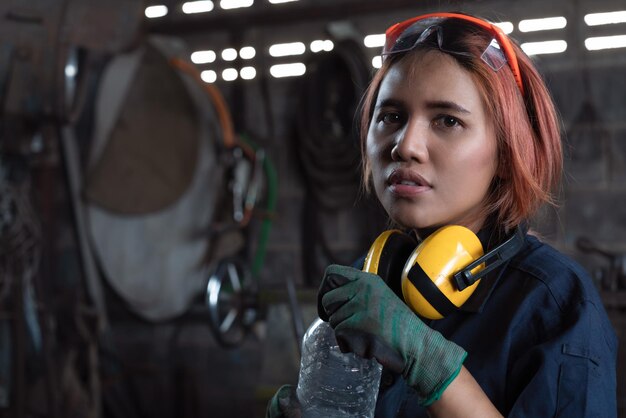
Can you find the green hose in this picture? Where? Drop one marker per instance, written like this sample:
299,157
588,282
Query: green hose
266,226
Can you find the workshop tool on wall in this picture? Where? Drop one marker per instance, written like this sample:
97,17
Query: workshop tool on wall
232,292
231,299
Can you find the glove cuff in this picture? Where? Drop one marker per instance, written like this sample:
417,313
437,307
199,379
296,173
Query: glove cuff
432,362
437,392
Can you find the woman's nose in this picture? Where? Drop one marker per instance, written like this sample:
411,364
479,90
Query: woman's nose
411,144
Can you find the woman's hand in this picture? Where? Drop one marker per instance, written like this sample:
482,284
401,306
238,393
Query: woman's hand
371,321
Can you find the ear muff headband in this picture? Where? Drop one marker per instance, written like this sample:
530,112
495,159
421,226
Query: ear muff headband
495,258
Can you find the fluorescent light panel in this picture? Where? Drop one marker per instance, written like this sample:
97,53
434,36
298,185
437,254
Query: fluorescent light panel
247,52
377,61
208,76
507,27
547,23
203,57
545,47
322,45
235,4
200,6
608,18
605,42
230,74
247,73
287,49
287,70
158,10
374,41
229,54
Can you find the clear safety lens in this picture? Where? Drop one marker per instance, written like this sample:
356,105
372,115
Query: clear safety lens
493,55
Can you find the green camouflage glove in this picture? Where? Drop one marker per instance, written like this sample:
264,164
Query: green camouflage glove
284,404
371,321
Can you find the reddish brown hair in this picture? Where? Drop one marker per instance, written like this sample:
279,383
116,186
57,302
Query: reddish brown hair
527,127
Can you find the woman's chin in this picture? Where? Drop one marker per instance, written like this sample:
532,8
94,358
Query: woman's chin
411,222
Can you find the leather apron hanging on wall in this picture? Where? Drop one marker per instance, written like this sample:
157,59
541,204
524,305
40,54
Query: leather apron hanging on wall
153,180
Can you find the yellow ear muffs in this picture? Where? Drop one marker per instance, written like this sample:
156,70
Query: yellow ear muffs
438,276
427,282
423,276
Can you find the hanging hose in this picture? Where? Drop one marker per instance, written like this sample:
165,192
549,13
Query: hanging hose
221,107
328,143
266,225
327,139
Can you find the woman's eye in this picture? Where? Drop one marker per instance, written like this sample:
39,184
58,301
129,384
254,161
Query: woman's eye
447,121
390,118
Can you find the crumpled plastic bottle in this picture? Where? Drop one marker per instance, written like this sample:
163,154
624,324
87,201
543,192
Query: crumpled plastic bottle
333,384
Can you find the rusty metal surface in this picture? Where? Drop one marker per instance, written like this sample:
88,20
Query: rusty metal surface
38,37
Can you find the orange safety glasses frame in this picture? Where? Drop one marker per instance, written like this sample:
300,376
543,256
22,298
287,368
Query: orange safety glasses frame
394,32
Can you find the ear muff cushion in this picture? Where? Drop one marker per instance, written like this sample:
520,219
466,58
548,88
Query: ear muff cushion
387,257
427,279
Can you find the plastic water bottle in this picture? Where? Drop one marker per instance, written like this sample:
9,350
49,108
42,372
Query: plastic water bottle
332,383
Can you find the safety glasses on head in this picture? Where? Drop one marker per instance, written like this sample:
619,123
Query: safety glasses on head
405,36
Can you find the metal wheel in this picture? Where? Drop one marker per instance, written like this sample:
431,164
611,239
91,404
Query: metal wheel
231,301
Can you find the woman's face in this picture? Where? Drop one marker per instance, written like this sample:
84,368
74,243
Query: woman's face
431,146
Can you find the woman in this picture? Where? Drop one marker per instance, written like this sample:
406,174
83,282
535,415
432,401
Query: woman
459,129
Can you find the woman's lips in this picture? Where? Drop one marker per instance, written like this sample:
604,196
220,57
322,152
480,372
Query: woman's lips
407,183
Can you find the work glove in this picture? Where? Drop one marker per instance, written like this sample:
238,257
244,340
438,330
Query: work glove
284,404
371,321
